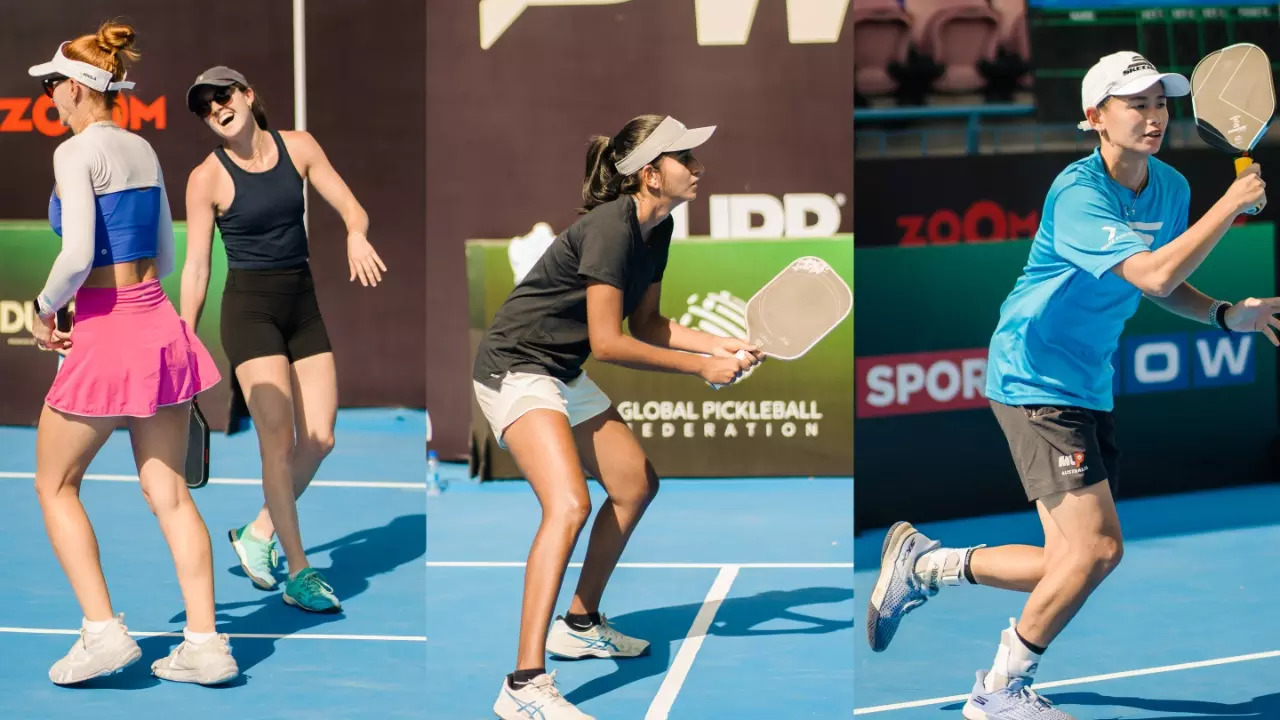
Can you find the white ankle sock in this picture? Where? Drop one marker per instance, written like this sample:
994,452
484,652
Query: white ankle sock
253,530
943,566
196,638
97,626
1013,660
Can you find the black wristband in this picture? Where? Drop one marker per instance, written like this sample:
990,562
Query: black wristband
1220,316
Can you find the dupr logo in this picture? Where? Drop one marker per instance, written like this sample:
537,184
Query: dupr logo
757,215
719,22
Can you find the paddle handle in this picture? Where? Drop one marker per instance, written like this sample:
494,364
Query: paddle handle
1243,162
741,354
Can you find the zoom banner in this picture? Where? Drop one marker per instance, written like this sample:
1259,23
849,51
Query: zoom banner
978,199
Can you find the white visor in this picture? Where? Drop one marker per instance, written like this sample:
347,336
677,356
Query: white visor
670,136
89,75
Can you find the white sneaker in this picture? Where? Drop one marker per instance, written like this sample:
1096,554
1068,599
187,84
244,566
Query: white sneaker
97,654
209,663
601,641
539,700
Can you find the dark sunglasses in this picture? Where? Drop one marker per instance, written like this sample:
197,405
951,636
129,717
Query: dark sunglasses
206,98
50,83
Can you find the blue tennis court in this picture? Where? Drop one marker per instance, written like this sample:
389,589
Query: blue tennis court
364,527
1186,626
743,587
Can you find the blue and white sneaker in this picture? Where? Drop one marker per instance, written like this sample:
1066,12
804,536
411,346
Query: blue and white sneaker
539,700
601,641
897,591
1017,701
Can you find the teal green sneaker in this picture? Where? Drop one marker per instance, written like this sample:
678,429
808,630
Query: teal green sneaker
258,559
309,591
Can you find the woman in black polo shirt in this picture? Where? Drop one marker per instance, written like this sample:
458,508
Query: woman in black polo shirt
555,421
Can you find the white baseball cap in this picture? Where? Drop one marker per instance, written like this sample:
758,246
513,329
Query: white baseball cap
670,136
89,75
1125,73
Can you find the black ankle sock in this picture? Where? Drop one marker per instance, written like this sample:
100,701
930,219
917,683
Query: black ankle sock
1033,648
582,622
520,678
968,569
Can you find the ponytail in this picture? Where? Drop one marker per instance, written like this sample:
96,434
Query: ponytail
603,183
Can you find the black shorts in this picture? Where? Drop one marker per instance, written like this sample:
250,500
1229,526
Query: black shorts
271,312
1059,448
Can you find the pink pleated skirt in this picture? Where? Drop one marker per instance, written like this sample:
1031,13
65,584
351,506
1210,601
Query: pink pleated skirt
130,354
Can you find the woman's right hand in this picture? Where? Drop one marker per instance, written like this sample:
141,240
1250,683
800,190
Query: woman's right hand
724,370
1248,191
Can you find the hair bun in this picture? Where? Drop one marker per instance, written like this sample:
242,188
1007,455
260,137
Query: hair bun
114,37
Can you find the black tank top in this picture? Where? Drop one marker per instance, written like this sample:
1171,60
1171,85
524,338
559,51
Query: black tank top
263,227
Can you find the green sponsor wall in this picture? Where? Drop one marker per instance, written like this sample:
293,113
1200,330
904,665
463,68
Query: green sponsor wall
957,463
818,386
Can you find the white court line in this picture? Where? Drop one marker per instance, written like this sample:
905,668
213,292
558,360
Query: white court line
237,481
1082,680
661,706
650,565
254,636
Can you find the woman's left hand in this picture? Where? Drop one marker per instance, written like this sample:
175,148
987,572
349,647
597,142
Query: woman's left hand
1255,315
728,347
48,337
363,261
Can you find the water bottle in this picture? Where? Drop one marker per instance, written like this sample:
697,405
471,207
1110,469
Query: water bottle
435,484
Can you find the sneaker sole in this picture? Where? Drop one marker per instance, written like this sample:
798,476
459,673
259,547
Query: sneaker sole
602,654
889,551
235,545
218,680
132,658
327,611
971,712
519,716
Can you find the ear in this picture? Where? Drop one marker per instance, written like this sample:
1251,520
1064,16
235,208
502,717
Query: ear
249,96
651,177
1094,116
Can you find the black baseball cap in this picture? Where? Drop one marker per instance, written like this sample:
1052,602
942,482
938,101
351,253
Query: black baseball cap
217,76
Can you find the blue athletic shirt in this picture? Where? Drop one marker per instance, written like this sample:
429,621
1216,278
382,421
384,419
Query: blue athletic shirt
1061,324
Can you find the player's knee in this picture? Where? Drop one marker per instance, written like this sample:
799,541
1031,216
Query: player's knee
1101,554
49,487
572,510
638,493
1109,552
318,445
161,503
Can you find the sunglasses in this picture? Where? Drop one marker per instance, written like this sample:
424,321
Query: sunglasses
205,100
51,83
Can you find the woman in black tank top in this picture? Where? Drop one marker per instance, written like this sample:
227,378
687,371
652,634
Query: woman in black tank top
528,376
251,186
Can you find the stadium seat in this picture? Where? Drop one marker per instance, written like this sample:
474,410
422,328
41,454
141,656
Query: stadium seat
957,34
1014,38
881,32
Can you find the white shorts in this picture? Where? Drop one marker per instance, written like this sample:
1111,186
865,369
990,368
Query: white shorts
580,400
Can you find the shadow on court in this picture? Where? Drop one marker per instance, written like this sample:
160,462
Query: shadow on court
663,627
1265,706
